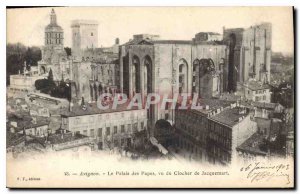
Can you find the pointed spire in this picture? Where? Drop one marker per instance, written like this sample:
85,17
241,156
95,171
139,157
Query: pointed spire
53,17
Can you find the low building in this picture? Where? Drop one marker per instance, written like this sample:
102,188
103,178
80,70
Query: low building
63,139
35,110
109,128
212,134
21,84
251,149
32,126
257,91
267,110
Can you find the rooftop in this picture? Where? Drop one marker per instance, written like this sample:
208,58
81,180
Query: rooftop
58,138
210,33
211,104
25,121
230,116
13,139
252,145
91,109
267,105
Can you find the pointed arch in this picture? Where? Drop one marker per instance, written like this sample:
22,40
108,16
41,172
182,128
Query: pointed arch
136,74
182,76
147,74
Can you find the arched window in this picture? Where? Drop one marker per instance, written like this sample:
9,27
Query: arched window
183,76
147,75
136,74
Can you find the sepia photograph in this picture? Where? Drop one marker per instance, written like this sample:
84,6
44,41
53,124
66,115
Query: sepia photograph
150,97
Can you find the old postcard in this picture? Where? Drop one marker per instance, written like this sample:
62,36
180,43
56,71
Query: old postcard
150,97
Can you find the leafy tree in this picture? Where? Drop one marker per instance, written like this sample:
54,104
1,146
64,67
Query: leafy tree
16,54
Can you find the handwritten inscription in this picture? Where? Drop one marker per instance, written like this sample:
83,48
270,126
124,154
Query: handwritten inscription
265,172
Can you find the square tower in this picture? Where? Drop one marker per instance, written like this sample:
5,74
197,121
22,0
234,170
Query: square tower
84,36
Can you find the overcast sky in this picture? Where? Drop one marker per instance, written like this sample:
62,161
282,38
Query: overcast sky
27,25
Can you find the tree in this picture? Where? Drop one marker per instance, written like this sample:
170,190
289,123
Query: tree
16,54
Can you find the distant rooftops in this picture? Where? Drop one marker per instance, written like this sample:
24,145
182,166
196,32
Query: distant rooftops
267,105
146,36
26,122
210,105
66,136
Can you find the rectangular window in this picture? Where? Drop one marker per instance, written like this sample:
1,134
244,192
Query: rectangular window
85,132
115,129
92,133
116,143
122,129
100,132
107,130
129,127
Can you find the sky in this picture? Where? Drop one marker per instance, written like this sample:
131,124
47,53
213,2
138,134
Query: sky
177,23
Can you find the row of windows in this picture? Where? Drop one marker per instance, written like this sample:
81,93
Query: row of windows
219,130
57,41
259,98
224,142
105,117
54,35
114,130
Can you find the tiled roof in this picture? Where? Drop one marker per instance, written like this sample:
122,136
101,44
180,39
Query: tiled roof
13,139
251,145
229,116
26,122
